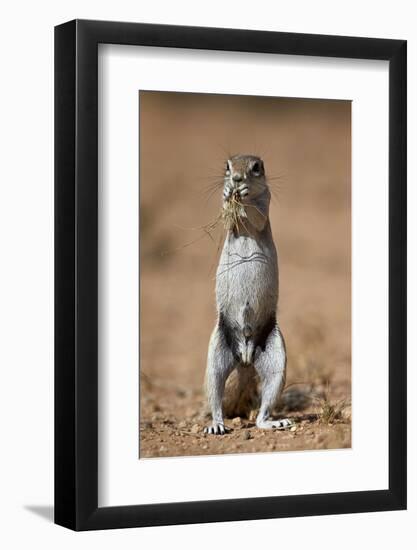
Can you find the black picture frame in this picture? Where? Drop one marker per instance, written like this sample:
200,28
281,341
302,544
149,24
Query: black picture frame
76,273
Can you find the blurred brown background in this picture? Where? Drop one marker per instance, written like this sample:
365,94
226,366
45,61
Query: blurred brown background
184,142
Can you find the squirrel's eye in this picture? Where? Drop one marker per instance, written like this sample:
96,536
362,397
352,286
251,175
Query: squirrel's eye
256,168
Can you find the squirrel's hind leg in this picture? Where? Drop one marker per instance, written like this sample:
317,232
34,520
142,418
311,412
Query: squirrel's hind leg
220,363
270,365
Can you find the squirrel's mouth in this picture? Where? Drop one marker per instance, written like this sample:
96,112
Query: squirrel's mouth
239,195
235,195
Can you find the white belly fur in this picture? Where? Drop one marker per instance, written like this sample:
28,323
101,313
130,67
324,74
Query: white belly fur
247,282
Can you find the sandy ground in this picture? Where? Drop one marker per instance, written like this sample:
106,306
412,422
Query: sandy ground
185,140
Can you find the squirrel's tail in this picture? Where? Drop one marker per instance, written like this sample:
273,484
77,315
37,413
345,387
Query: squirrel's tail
241,394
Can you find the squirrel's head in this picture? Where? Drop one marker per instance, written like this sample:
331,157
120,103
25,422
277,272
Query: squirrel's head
246,193
244,179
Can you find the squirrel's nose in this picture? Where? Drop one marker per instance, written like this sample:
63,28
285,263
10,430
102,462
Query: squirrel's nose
237,178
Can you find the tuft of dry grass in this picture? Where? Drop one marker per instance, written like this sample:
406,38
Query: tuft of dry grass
330,411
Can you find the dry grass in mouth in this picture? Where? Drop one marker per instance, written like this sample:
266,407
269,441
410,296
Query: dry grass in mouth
232,212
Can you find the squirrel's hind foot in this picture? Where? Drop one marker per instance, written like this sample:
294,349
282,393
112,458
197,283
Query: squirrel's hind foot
283,424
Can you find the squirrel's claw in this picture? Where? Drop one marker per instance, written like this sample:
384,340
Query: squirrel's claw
216,429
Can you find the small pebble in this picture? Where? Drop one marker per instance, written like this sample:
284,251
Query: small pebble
247,435
195,429
237,421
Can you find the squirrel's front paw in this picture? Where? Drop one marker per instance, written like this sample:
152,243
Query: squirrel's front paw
227,193
216,429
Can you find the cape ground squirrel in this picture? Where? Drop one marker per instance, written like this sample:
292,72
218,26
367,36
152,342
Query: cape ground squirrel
246,338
